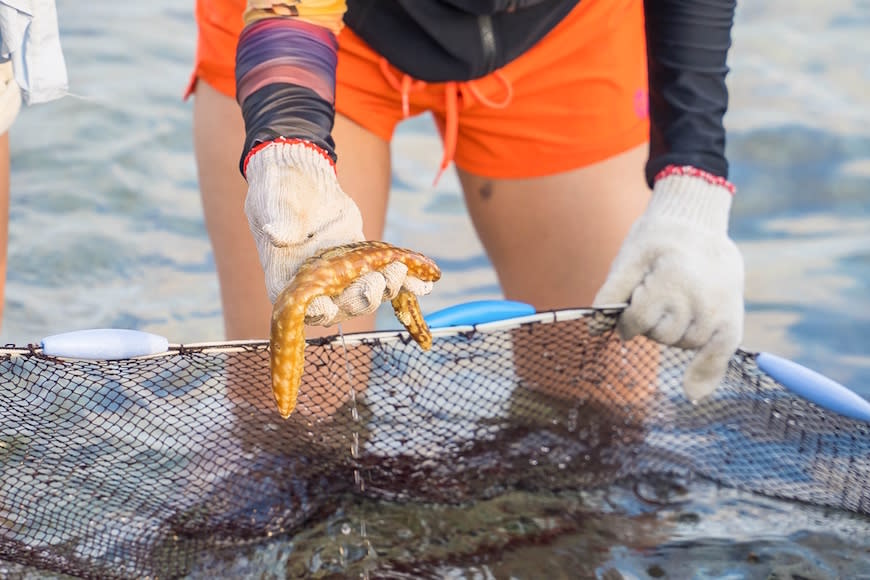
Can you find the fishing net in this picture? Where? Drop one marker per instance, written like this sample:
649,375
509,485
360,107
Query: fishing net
144,467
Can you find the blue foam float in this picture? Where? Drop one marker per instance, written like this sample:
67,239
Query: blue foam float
478,312
815,387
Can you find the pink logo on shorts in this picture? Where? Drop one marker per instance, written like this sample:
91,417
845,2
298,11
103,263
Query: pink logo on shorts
641,103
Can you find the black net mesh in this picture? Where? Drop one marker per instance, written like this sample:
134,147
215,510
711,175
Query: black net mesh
145,467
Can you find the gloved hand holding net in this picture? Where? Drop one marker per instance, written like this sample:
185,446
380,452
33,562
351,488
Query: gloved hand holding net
682,275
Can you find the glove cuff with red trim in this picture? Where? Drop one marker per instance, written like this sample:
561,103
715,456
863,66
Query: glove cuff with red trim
698,197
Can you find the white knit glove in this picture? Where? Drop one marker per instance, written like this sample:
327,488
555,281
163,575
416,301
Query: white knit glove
683,276
296,208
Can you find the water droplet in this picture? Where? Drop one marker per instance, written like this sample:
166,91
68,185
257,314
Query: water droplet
572,420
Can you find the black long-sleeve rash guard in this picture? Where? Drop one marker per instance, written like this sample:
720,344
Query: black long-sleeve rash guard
687,46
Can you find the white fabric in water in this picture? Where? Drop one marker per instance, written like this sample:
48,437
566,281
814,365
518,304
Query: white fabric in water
29,36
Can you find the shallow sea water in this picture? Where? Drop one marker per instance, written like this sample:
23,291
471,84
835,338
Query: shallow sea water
106,230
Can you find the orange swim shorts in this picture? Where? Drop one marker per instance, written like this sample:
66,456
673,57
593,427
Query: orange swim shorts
577,97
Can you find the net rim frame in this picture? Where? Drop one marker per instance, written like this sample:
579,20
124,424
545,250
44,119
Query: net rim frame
350,339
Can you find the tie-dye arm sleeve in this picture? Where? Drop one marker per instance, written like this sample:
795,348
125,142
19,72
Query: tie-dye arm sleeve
285,72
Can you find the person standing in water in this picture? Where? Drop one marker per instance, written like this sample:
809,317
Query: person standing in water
588,137
32,70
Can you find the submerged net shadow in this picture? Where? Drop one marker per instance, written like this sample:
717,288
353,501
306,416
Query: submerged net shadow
141,467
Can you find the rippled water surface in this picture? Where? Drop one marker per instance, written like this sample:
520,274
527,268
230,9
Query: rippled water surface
107,230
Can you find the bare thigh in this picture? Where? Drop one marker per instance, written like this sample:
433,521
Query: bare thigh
218,137
219,133
551,239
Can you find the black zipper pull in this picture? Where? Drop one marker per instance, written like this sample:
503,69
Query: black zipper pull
487,41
